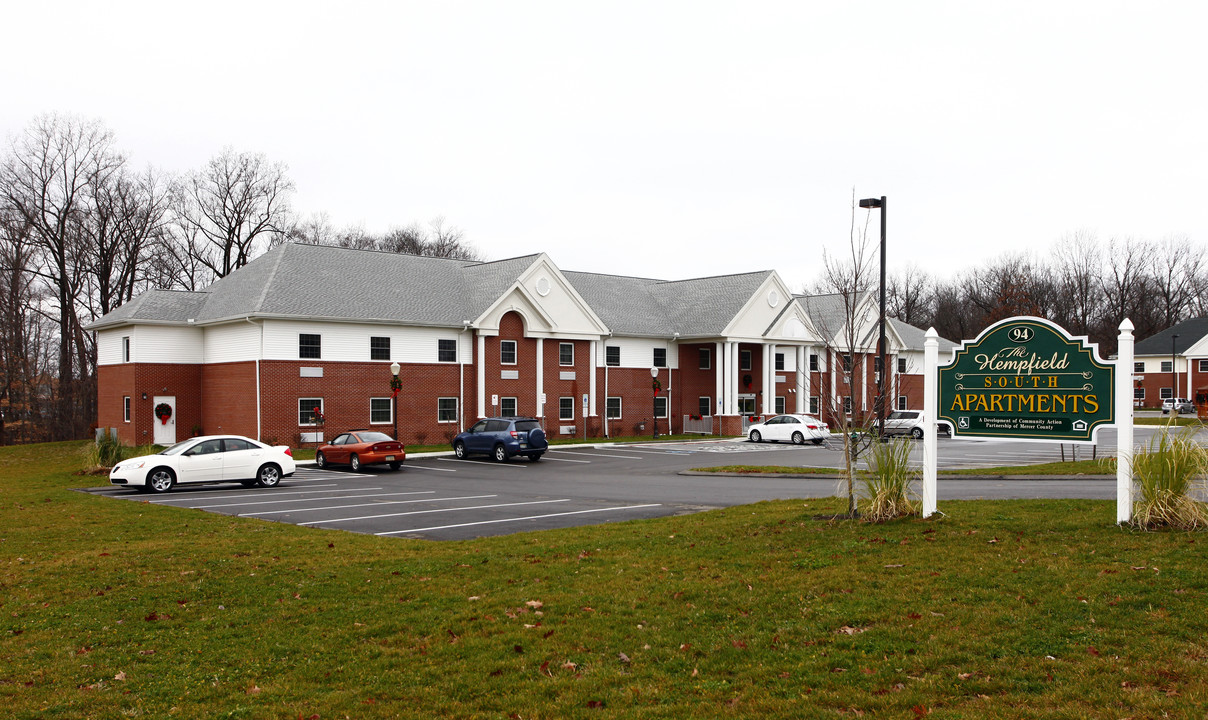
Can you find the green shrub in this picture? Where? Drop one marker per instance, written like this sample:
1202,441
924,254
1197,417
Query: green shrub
1168,472
106,452
887,482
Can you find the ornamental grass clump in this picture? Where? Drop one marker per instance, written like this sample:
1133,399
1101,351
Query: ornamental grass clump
887,482
1169,474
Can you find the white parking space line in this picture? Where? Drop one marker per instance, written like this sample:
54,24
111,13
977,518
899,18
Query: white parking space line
518,519
630,448
604,455
554,459
377,504
186,498
435,510
426,467
312,499
483,464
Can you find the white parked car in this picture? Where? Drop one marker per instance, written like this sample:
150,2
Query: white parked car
789,428
207,459
910,422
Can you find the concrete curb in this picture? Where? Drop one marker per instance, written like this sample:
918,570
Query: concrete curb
836,476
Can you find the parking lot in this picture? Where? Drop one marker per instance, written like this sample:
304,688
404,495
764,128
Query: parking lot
443,498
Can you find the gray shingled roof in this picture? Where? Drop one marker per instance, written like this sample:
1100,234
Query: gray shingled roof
915,337
172,306
1190,332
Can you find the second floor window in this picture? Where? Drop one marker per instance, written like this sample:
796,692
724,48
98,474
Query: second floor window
446,351
566,354
660,357
379,348
507,352
612,355
310,347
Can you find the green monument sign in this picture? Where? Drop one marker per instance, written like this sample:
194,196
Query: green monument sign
1026,378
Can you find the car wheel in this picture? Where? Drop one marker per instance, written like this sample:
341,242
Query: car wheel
269,476
501,453
916,433
355,462
161,480
535,458
798,438
395,465
755,436
320,460
459,449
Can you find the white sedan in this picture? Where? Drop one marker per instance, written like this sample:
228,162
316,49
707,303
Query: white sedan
207,459
790,428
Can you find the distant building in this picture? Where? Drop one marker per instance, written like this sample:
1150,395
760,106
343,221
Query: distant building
297,346
1167,366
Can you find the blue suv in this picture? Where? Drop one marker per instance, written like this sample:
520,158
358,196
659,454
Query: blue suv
502,438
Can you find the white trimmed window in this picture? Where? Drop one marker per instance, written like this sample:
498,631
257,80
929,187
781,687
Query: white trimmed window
780,361
379,348
612,408
744,359
660,407
704,406
446,410
1204,366
126,409
1167,366
660,357
306,410
813,362
1167,393
379,411
507,407
1139,366
902,365
126,349
746,405
847,404
507,352
566,353
310,347
446,350
1138,393
566,408
902,402
706,358
612,355
779,404
815,403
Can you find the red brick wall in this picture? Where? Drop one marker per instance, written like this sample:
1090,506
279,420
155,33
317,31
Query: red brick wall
133,379
113,383
524,389
229,390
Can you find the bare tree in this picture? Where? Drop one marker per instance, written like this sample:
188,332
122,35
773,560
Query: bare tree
1078,277
1176,264
230,210
124,234
909,296
49,180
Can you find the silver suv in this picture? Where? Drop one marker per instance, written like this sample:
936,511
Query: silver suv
1179,405
910,422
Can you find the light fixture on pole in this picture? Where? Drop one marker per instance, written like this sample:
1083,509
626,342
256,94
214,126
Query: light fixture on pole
654,411
871,203
1174,377
395,386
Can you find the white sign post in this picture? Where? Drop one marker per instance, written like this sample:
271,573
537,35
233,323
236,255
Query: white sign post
1124,423
931,362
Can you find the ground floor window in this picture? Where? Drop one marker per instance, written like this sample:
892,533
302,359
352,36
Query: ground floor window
815,403
446,409
704,406
746,404
1138,393
847,404
1167,393
566,408
126,408
660,407
902,402
309,410
507,407
379,411
612,408
779,404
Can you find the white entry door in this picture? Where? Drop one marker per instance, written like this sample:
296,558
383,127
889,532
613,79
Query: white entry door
165,432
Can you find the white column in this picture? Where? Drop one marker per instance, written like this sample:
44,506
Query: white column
480,368
769,379
540,375
732,376
591,364
719,374
931,361
1124,423
800,387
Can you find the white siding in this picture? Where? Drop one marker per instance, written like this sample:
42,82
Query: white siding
236,342
347,342
109,345
156,344
639,352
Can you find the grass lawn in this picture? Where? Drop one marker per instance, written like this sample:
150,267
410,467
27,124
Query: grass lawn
1020,609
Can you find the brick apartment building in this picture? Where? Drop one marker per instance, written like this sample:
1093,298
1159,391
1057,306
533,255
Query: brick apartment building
298,345
1172,363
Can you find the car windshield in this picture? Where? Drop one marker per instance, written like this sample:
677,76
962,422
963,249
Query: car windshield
526,425
374,437
179,447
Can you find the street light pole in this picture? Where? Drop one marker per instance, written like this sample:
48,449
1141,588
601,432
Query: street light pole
395,386
1174,376
882,203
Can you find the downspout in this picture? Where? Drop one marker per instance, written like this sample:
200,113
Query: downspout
461,377
259,355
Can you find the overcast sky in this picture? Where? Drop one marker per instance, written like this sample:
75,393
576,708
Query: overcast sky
661,139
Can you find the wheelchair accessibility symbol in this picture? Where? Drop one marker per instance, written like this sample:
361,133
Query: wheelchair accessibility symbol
962,423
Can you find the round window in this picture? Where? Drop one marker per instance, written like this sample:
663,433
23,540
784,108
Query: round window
543,286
